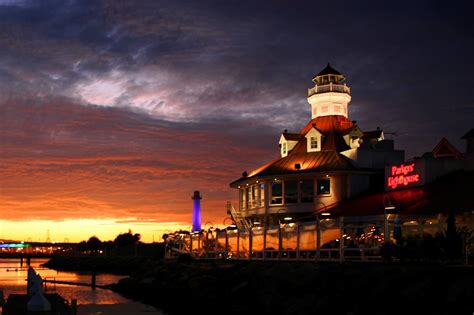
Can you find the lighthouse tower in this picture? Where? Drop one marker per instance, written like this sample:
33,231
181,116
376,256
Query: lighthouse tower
330,96
196,211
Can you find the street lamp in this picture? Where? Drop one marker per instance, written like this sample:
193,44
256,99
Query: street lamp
387,205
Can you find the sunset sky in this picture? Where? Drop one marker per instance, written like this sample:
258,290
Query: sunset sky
113,112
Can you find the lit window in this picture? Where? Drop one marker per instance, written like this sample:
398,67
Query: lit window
243,199
307,191
291,191
314,142
276,193
252,196
262,195
324,186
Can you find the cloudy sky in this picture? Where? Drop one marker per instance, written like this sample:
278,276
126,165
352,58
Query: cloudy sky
113,112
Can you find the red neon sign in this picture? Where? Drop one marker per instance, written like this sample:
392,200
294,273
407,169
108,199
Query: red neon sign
403,175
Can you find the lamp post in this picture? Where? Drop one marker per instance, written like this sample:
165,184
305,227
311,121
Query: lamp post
386,206
318,229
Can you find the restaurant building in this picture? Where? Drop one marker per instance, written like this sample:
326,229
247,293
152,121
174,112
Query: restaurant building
338,192
329,160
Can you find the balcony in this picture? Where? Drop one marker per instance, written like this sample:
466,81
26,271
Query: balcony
331,87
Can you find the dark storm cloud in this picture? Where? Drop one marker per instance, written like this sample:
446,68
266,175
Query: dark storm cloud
148,91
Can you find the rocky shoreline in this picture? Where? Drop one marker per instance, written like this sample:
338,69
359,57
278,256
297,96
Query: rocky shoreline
301,287
103,264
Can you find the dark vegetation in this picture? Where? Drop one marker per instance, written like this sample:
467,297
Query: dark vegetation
123,255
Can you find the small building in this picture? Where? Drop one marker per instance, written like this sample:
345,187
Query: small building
329,160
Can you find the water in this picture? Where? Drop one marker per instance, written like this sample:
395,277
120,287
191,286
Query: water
100,301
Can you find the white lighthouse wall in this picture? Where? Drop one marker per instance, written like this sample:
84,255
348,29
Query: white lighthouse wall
329,104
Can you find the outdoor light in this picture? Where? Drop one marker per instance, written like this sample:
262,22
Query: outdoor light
232,226
287,218
326,213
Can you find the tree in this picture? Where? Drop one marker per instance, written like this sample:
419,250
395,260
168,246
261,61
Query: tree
125,239
94,244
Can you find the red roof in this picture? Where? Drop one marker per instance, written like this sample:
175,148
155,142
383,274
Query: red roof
328,159
444,149
326,124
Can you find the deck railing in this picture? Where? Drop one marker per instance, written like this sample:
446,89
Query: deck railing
331,87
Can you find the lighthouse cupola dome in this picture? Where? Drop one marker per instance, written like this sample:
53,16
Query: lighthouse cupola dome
328,75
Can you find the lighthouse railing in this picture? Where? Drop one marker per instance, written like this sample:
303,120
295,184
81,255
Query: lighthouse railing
331,87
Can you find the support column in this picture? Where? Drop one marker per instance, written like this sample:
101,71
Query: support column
250,243
238,244
297,241
226,250
386,230
318,238
216,246
341,240
280,241
206,248
264,251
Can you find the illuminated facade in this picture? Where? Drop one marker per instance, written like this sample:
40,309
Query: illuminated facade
329,160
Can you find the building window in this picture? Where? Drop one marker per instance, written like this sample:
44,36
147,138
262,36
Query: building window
253,196
283,148
291,191
249,197
307,191
324,186
261,195
243,199
337,108
314,142
324,109
276,193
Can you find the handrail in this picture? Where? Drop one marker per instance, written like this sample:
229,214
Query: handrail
331,87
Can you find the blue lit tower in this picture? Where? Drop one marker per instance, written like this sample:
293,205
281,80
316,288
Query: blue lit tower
197,211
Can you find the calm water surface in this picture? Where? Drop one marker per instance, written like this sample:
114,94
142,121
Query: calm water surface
100,301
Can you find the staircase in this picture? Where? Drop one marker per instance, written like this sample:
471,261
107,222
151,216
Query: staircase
241,222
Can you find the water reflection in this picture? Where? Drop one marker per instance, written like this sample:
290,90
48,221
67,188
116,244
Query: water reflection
13,280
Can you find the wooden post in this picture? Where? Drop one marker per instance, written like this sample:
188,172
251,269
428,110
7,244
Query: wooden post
93,278
191,244
341,240
297,241
226,249
250,243
386,230
238,243
264,252
206,247
280,241
318,238
216,246
74,307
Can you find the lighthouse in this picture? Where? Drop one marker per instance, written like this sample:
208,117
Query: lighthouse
330,96
196,211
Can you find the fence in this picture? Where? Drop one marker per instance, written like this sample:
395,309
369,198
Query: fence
329,239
